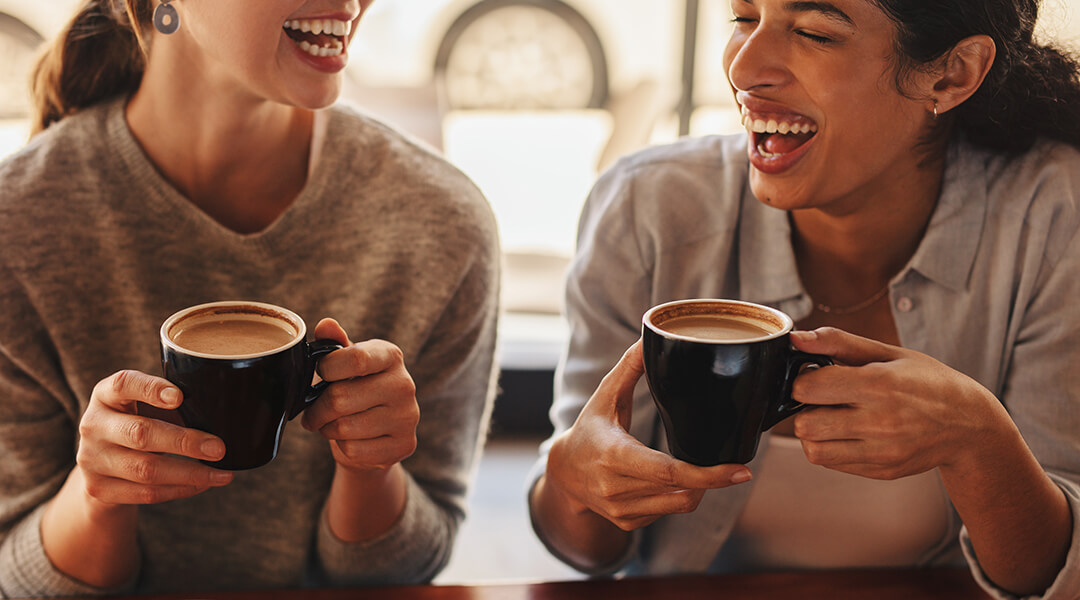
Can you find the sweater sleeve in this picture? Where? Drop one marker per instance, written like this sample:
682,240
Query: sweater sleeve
454,373
37,452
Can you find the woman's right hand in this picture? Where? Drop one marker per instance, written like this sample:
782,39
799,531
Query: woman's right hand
129,459
597,466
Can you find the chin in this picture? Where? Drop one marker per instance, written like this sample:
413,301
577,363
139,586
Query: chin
783,197
311,101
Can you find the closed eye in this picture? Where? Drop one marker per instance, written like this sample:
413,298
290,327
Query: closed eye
819,39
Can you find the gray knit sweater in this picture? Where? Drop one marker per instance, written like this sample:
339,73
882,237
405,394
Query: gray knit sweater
97,249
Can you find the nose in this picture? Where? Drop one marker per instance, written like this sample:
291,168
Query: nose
755,59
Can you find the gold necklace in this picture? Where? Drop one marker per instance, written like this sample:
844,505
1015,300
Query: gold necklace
854,308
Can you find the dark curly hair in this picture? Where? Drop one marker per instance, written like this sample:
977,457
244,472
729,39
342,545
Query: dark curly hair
1031,91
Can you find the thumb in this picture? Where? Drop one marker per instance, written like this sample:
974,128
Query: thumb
330,329
843,347
616,390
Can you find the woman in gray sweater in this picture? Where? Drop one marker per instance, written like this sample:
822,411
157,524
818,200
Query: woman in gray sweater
187,154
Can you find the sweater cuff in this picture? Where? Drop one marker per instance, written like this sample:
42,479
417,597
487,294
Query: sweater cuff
1067,582
413,551
28,572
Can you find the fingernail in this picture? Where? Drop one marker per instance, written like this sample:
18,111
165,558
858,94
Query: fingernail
741,477
213,449
221,476
170,396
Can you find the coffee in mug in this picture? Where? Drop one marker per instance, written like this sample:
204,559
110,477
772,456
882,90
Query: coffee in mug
720,373
245,370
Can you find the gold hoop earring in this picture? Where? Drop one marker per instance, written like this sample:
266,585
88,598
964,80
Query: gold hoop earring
935,110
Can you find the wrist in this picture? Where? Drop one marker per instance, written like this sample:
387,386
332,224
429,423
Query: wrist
991,439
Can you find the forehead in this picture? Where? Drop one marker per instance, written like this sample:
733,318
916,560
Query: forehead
844,11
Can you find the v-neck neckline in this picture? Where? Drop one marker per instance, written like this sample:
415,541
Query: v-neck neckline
144,170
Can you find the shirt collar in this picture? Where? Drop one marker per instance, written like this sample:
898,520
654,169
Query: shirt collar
946,254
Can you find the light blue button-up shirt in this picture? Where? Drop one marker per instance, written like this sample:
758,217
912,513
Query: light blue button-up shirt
993,291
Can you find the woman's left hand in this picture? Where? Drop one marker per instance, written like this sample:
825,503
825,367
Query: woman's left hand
886,412
369,412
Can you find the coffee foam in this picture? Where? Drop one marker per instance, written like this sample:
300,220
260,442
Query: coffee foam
771,321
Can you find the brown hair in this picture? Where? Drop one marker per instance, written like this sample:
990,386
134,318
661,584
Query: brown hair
100,54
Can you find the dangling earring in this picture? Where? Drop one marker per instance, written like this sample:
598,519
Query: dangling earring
166,19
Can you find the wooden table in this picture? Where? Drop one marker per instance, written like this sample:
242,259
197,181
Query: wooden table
902,584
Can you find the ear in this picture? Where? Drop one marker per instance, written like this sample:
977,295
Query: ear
965,68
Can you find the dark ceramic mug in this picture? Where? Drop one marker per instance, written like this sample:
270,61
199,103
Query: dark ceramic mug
245,369
720,372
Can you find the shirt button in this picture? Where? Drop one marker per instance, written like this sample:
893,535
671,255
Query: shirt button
904,304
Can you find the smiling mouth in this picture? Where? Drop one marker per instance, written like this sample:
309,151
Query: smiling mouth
319,37
775,135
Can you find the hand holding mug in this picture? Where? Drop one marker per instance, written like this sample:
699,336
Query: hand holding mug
130,459
597,465
369,411
245,369
887,412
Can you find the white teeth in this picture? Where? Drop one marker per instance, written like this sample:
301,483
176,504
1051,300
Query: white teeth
320,26
312,49
773,126
336,28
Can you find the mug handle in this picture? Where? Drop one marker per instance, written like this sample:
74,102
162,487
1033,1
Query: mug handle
315,351
788,406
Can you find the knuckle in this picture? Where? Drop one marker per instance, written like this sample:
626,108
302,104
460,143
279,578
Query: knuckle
408,386
686,504
349,449
813,452
120,381
828,333
143,469
83,456
186,444
337,399
607,489
88,425
625,524
667,474
137,434
408,447
95,487
359,360
151,495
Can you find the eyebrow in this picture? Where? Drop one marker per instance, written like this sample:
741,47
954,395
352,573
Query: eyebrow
826,9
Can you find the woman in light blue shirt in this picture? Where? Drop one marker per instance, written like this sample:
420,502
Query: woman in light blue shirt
909,191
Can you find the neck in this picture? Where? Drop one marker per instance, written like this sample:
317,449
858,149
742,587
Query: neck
240,158
846,256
